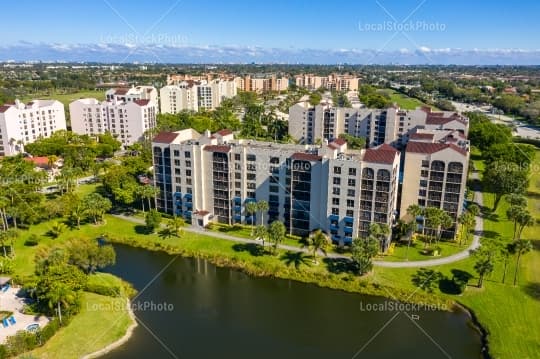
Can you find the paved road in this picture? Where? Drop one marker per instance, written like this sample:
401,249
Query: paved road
412,264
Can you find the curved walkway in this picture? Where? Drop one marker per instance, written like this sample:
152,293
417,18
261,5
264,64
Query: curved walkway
411,264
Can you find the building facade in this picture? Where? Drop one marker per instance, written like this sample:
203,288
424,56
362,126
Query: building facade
435,173
24,123
333,82
176,98
134,93
213,177
127,121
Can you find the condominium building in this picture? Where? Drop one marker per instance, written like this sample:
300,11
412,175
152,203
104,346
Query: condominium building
24,123
124,94
392,125
435,172
125,120
333,82
176,98
262,83
211,177
211,93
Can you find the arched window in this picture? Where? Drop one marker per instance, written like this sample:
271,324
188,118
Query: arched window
455,167
437,166
367,173
383,175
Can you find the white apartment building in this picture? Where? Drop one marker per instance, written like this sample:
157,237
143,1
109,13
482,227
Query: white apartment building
335,82
132,94
435,172
392,125
211,93
125,120
211,177
176,98
24,123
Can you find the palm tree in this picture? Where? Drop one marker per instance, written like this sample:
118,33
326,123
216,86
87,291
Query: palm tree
176,225
319,241
513,213
262,206
380,231
261,233
446,223
146,192
51,160
516,199
433,219
414,211
60,295
276,233
473,209
251,209
521,247
12,235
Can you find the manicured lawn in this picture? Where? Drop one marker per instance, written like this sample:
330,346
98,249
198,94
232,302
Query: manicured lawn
67,98
102,321
415,251
404,101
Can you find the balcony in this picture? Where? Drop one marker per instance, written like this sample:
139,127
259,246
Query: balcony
188,196
334,217
333,227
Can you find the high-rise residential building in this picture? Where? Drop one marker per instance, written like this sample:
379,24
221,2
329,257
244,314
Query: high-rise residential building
211,177
125,120
176,98
435,173
309,124
24,123
333,82
211,93
131,94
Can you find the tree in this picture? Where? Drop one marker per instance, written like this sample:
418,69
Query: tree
176,225
12,235
426,279
524,219
485,257
60,295
504,178
521,247
75,208
152,220
57,228
261,233
262,206
379,231
146,193
467,221
251,209
362,253
434,218
319,241
88,255
96,205
276,233
517,200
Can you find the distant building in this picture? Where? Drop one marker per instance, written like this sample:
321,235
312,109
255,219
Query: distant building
262,83
126,120
333,82
21,123
176,98
309,124
211,177
132,94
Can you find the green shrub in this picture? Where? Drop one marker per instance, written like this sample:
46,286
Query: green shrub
103,289
32,240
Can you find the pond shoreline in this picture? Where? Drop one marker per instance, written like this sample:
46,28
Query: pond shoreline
225,261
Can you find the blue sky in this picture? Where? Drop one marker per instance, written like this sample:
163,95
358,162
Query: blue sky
287,26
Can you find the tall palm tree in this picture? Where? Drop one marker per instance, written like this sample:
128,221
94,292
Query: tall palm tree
262,206
513,213
525,219
176,225
380,231
521,247
60,295
319,241
12,235
251,209
446,223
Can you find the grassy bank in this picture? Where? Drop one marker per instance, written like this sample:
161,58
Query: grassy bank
102,321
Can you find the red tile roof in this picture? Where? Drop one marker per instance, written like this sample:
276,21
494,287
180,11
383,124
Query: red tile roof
224,132
217,148
421,136
429,148
165,137
201,213
4,108
141,102
339,141
382,154
120,91
38,161
301,156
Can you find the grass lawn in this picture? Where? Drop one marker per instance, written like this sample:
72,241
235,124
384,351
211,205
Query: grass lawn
404,101
415,251
102,321
66,98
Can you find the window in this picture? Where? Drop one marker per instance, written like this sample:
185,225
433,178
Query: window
177,171
351,182
237,175
251,194
178,179
335,191
349,213
188,163
187,154
251,158
176,153
274,160
274,189
237,193
337,181
251,176
188,173
423,183
274,179
424,173
337,170
335,211
352,171
350,203
251,167
188,181
425,164
335,201
237,184
237,157
350,193
177,162
251,185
